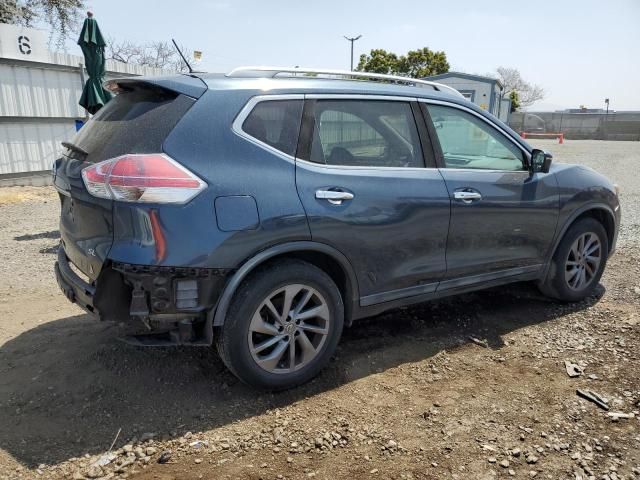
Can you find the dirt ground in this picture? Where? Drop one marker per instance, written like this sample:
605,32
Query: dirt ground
471,387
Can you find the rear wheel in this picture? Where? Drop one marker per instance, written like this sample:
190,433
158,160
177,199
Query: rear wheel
282,326
578,263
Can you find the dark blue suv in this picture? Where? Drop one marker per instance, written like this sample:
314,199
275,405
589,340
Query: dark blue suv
264,209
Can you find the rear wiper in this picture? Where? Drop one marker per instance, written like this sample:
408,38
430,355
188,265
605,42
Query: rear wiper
75,148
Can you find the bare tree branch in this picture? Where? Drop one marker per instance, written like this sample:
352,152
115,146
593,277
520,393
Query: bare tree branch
155,54
512,81
124,52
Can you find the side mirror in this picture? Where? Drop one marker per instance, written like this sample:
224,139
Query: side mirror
540,161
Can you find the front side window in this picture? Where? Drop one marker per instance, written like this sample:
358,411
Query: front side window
365,133
469,142
276,123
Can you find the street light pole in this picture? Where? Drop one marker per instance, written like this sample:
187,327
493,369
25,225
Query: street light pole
352,40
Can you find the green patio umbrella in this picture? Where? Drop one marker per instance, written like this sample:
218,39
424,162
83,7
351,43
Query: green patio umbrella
94,97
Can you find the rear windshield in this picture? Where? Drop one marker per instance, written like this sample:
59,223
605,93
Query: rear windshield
135,121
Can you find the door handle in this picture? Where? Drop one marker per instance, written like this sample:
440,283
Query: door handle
467,196
334,197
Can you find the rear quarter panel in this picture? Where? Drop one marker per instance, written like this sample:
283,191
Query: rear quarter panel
188,235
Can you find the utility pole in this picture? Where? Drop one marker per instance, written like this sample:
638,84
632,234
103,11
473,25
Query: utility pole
352,40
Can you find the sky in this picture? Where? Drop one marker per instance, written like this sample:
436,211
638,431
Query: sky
579,51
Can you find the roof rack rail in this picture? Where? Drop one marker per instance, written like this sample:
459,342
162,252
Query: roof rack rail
273,72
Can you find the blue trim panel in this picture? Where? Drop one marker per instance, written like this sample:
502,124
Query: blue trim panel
456,283
396,294
486,277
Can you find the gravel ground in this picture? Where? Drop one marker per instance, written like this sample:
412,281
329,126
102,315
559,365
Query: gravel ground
470,387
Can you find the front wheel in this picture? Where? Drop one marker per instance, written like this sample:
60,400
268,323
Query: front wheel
578,263
283,326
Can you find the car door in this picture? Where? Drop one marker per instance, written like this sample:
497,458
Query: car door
503,217
361,177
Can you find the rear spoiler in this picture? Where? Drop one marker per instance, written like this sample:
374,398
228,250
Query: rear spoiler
189,85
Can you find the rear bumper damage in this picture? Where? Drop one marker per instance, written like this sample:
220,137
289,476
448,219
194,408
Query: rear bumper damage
161,306
74,288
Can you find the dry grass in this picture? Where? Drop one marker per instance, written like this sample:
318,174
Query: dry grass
9,195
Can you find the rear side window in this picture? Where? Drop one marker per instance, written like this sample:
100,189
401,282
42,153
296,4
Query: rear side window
276,123
365,133
135,121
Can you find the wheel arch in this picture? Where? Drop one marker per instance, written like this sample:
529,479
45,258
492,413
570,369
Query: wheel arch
325,257
598,211
601,213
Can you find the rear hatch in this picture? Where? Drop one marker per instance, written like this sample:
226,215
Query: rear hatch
137,120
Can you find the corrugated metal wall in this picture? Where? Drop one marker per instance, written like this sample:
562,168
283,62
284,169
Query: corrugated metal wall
39,107
31,147
39,92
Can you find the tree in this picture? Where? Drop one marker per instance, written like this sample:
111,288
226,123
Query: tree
155,54
61,15
378,61
415,64
512,81
515,101
423,63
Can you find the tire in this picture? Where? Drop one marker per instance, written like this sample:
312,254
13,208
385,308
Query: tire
563,281
251,324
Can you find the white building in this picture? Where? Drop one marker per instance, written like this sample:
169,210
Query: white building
39,93
486,92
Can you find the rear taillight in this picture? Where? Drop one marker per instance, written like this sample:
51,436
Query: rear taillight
151,178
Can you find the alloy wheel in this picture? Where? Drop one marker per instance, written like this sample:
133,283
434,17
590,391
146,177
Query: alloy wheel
289,328
583,261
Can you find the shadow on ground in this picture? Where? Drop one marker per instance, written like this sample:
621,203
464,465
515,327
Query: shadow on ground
37,236
66,387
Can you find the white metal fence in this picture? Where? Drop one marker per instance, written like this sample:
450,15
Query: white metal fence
39,102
